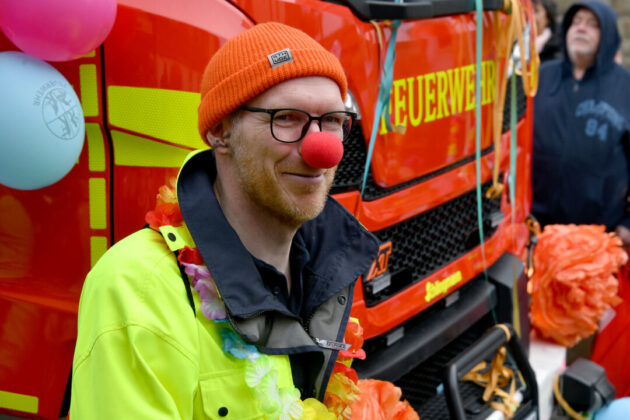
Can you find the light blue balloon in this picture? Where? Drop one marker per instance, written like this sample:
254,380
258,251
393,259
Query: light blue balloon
41,120
616,410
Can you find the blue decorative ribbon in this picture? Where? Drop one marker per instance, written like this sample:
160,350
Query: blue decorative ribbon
382,103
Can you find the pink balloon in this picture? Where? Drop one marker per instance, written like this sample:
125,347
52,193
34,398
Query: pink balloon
57,30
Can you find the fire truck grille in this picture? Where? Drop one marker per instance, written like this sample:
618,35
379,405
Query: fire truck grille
350,171
431,240
423,386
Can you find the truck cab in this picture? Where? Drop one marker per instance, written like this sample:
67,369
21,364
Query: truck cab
418,176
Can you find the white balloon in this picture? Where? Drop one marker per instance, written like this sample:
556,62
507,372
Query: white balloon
41,123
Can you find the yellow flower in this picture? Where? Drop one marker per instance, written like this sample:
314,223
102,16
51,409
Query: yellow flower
315,410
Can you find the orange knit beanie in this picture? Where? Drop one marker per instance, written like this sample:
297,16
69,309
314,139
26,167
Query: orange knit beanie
256,60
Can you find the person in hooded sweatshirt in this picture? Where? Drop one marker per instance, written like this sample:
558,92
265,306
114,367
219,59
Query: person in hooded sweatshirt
580,161
581,126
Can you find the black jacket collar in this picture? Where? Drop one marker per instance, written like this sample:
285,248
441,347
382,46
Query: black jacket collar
340,248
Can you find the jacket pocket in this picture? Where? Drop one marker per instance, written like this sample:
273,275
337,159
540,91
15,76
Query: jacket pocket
225,396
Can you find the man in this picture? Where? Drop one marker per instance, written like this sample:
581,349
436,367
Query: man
581,126
273,260
580,161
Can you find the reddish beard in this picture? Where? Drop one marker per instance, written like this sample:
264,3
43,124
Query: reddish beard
290,203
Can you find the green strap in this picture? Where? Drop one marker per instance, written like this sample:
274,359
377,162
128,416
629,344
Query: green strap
512,178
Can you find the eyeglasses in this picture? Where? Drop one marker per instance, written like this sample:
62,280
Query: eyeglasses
290,125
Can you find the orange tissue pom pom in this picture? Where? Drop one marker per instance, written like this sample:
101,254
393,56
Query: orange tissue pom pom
380,400
573,283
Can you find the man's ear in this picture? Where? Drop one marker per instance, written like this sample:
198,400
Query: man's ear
217,136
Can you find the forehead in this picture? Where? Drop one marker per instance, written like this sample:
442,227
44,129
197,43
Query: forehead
584,14
313,91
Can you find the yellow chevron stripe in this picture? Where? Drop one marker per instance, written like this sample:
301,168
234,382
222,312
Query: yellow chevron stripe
130,150
96,147
98,203
98,246
89,90
169,115
19,402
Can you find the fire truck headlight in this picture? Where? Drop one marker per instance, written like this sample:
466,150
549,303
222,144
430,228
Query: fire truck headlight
350,104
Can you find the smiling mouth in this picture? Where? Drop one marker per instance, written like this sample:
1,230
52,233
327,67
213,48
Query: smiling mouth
305,179
305,176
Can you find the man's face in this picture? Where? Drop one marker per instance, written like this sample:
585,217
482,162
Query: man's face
272,174
583,36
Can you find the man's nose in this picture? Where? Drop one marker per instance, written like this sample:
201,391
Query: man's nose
321,150
582,26
313,127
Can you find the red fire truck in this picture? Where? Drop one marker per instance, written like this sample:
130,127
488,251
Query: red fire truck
427,298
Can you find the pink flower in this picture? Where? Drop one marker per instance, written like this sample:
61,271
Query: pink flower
213,309
211,305
197,272
206,289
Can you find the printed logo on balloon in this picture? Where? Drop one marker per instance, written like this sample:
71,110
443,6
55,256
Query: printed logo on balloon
60,110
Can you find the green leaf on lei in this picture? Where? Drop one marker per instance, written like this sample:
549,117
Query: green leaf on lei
292,408
267,395
256,370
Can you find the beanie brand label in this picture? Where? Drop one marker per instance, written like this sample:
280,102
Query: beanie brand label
279,58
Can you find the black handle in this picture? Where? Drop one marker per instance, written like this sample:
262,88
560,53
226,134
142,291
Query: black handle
482,349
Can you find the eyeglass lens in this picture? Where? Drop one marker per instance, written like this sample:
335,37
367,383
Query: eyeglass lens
291,125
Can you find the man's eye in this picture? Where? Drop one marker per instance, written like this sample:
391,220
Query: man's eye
334,119
289,116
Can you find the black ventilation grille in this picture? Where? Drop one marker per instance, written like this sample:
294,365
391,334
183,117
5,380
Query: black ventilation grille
424,389
423,386
350,170
433,239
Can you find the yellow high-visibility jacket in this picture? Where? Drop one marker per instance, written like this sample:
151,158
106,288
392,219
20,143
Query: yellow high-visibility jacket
142,353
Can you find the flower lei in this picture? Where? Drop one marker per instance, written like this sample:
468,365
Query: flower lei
274,402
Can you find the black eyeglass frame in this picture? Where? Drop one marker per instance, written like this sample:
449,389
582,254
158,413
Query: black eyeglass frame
311,118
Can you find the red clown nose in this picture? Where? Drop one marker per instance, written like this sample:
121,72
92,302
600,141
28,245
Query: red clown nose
322,150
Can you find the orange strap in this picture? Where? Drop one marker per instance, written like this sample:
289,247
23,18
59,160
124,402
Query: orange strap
515,24
494,379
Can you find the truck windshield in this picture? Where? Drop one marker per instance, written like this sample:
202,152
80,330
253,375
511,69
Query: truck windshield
413,9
